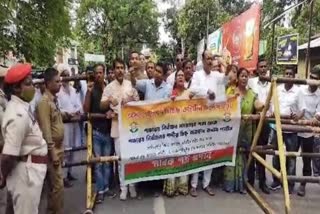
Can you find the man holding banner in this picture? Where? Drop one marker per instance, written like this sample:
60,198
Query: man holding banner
206,83
117,93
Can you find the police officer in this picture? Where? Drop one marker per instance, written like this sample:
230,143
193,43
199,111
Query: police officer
50,121
24,158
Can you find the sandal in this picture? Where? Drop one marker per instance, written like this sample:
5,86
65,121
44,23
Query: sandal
193,192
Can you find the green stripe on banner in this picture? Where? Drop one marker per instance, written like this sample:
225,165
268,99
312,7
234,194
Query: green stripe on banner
169,170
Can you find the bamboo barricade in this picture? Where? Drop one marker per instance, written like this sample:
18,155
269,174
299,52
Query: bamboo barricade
282,124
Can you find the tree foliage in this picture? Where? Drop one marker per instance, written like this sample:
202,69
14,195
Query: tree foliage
190,23
33,28
112,27
299,19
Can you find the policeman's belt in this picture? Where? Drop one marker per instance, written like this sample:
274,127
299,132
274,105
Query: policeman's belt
34,159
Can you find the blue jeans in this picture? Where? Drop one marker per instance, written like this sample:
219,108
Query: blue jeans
102,147
291,143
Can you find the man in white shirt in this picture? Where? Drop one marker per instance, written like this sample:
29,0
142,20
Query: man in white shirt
309,102
211,84
119,91
288,95
316,145
261,88
179,63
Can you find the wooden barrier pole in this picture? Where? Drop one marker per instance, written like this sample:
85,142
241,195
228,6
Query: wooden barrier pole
90,196
294,81
92,161
255,195
70,78
75,149
284,120
274,171
282,157
288,154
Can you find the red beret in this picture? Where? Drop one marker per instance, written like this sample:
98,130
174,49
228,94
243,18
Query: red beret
17,73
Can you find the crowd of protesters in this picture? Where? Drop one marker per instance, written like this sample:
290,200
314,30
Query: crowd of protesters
34,137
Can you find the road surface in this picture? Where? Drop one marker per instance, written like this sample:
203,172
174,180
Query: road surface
221,203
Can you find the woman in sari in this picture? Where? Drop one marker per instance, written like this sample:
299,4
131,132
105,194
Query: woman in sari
234,176
178,185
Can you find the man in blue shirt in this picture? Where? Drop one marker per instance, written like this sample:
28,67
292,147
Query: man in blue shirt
156,88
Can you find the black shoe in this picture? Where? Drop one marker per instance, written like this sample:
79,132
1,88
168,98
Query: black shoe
109,193
275,186
265,189
302,191
71,178
291,190
67,183
99,198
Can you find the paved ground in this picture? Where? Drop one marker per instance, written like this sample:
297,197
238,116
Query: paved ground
221,203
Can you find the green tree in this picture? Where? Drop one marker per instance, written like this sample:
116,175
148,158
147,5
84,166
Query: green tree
190,23
193,21
299,21
6,38
303,18
116,27
165,52
36,27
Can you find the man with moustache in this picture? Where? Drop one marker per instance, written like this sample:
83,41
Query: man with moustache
50,121
261,88
206,83
117,93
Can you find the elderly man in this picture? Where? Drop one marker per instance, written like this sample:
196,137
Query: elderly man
70,103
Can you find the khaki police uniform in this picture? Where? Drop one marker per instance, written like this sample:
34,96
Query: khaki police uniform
23,139
51,124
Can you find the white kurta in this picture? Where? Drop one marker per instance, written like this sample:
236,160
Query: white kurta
69,101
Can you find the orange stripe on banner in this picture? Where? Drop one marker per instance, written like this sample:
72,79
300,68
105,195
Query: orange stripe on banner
177,161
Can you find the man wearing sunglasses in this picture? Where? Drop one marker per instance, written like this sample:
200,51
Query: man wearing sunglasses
179,63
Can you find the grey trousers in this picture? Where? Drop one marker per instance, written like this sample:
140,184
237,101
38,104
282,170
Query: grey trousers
6,206
316,161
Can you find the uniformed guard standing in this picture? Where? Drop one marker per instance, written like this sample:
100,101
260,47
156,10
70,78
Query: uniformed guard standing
24,159
50,121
